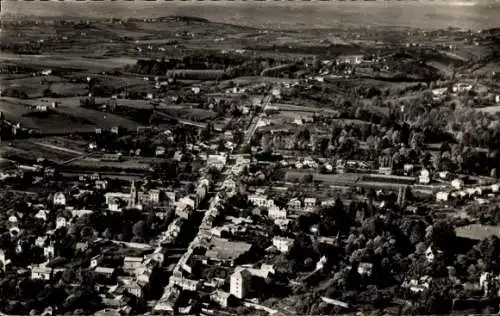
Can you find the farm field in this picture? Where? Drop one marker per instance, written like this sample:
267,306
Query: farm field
34,86
65,61
67,118
93,163
490,109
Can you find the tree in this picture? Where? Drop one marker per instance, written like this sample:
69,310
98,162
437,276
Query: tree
140,229
443,235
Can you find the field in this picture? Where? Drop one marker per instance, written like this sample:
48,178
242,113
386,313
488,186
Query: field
93,163
34,86
490,109
67,118
76,63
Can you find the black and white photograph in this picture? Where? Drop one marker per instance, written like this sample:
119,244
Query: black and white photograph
218,158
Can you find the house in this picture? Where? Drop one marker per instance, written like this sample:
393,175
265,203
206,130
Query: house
107,273
41,108
239,284
168,301
365,268
160,151
135,288
95,261
130,264
444,174
350,59
61,222
41,273
442,196
49,252
154,196
40,241
457,184
59,199
283,244
101,184
260,200
223,299
309,202
294,204
275,212
430,254
424,177
115,130
418,285
185,283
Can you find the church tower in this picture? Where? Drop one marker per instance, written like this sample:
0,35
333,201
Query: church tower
133,195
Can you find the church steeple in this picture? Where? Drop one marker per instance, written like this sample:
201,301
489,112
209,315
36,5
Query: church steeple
133,195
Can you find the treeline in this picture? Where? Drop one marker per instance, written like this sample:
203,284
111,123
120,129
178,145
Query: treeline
208,64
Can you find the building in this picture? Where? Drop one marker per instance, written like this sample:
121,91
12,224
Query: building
131,264
457,184
283,244
49,252
223,299
294,204
424,177
442,196
59,199
385,165
310,202
41,273
185,283
239,284
365,268
275,212
61,222
350,59
260,200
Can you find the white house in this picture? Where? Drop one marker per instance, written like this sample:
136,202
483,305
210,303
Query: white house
365,268
309,202
61,222
495,187
49,251
260,200
457,184
40,273
59,199
424,177
275,212
442,196
40,241
283,244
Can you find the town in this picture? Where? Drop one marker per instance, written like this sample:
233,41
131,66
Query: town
184,167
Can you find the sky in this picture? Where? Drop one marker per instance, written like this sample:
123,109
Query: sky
423,14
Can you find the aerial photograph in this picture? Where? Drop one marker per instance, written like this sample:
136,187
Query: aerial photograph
249,158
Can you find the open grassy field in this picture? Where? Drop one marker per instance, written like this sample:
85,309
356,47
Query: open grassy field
490,109
67,118
74,62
